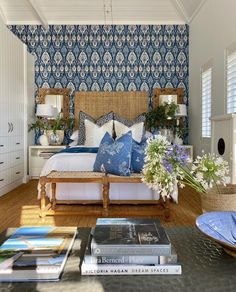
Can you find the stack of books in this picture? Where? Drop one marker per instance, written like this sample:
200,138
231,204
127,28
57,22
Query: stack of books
36,253
121,246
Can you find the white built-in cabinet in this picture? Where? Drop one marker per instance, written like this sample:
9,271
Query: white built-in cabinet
13,109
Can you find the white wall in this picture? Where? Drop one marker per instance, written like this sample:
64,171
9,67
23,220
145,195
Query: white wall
211,32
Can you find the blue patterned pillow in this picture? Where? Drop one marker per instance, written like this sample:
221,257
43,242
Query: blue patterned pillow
137,155
138,119
100,122
114,156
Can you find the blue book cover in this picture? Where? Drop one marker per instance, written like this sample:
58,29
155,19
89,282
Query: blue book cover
33,238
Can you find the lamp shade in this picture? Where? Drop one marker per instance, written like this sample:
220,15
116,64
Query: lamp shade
181,110
45,110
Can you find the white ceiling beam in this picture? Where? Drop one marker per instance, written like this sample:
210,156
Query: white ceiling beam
197,10
2,15
181,10
39,13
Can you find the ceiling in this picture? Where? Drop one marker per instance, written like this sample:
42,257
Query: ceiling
48,12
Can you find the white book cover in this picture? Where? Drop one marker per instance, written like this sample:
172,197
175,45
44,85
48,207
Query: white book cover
96,269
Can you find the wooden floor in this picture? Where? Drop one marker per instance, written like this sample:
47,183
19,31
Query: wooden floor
20,207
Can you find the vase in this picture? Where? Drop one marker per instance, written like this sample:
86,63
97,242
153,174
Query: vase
223,201
55,138
168,133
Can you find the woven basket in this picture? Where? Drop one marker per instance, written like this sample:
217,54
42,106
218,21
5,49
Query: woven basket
225,201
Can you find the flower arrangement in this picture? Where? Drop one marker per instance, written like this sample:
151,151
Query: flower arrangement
167,165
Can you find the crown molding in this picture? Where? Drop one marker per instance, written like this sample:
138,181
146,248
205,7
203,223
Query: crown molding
181,10
196,11
35,7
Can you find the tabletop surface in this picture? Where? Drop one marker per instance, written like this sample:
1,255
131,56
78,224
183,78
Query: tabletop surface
205,267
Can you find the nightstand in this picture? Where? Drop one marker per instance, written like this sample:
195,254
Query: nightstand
38,155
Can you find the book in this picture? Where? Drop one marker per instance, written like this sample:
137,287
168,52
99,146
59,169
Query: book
42,253
121,236
8,258
94,269
128,259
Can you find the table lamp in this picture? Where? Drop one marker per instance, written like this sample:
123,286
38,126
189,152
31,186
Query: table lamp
181,112
44,111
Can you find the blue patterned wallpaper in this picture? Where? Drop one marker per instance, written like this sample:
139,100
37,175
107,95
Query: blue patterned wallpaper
105,57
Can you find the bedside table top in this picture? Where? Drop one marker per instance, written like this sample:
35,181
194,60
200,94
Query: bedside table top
47,147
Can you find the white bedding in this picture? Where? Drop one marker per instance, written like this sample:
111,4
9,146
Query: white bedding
89,191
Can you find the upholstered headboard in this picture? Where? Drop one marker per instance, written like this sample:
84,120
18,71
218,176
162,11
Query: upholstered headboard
128,104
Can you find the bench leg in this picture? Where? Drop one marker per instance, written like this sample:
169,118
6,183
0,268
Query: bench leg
54,196
42,197
105,195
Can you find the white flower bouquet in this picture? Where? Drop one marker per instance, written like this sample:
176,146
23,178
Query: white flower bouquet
168,165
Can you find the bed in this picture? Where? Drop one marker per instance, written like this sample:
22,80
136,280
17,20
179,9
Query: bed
127,104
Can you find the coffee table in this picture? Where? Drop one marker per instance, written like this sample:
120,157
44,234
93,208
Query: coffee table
205,267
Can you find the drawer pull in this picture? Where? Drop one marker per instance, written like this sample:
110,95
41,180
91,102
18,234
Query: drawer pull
18,143
18,172
2,179
1,162
1,145
17,157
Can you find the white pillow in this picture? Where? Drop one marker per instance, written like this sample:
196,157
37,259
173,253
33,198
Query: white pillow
75,135
74,143
95,133
136,129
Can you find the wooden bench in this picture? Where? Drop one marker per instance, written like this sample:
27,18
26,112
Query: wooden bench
89,177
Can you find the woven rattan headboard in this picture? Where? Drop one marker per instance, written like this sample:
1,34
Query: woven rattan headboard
128,104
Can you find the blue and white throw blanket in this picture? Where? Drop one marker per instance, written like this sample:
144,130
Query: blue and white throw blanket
79,150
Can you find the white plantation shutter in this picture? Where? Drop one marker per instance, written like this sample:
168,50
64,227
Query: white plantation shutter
206,101
231,81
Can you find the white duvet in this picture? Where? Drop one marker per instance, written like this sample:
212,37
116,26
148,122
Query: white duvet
91,191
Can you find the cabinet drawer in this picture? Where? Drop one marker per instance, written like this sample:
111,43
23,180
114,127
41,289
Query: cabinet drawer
4,178
37,161
3,144
17,157
4,161
16,143
17,172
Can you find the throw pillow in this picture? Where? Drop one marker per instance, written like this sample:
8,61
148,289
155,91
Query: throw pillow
137,156
136,129
114,156
138,120
95,133
74,138
74,135
101,121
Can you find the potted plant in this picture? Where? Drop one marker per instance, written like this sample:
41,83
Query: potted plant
168,165
51,131
162,117
56,128
40,126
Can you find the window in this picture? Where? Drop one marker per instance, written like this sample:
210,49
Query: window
206,100
231,79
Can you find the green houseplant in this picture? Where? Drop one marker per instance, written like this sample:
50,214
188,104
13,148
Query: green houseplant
54,128
162,116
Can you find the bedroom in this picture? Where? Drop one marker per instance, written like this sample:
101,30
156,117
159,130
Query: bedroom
199,41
